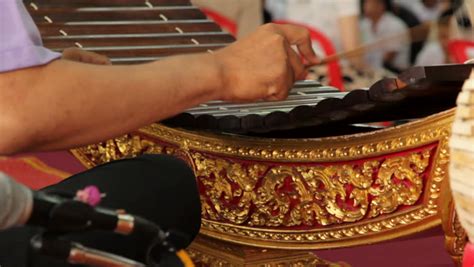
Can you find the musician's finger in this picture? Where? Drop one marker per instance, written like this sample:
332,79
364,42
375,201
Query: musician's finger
273,91
94,58
104,60
271,98
298,68
280,95
79,55
300,37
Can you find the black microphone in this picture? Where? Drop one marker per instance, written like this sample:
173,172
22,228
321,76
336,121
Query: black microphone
60,214
19,206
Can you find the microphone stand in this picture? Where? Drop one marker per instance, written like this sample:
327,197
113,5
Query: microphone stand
72,216
75,253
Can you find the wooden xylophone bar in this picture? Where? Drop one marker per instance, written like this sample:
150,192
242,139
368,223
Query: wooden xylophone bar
127,31
136,39
121,3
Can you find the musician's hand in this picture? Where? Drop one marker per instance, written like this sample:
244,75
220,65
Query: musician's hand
264,65
79,55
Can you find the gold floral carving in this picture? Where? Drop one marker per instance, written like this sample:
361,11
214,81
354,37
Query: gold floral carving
388,194
259,191
120,147
308,195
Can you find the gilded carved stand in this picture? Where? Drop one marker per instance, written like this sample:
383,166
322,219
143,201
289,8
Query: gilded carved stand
306,194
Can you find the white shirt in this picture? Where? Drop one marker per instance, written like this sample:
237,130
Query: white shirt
431,54
388,26
323,15
20,40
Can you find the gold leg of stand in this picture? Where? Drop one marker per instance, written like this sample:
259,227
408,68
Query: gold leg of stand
210,252
455,235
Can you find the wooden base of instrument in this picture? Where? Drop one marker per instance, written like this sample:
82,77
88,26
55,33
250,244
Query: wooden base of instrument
419,148
211,252
219,149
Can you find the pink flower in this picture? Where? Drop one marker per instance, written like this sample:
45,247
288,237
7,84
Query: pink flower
90,195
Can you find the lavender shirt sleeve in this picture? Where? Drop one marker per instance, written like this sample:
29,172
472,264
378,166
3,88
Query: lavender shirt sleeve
20,40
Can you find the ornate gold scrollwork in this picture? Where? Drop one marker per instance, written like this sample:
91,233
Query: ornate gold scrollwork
399,182
274,196
262,194
220,191
121,147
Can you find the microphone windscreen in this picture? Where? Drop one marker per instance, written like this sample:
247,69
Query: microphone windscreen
158,188
16,203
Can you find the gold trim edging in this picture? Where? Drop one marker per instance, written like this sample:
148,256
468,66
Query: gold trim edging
210,252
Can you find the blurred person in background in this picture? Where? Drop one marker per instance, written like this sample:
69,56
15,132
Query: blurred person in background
461,26
411,20
436,51
416,12
379,23
425,10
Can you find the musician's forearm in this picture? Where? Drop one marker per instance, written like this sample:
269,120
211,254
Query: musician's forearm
65,104
68,104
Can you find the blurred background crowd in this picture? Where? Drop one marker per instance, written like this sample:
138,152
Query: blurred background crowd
376,35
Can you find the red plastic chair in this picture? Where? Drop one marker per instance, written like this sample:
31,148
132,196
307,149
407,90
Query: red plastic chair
225,23
468,258
461,50
334,68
